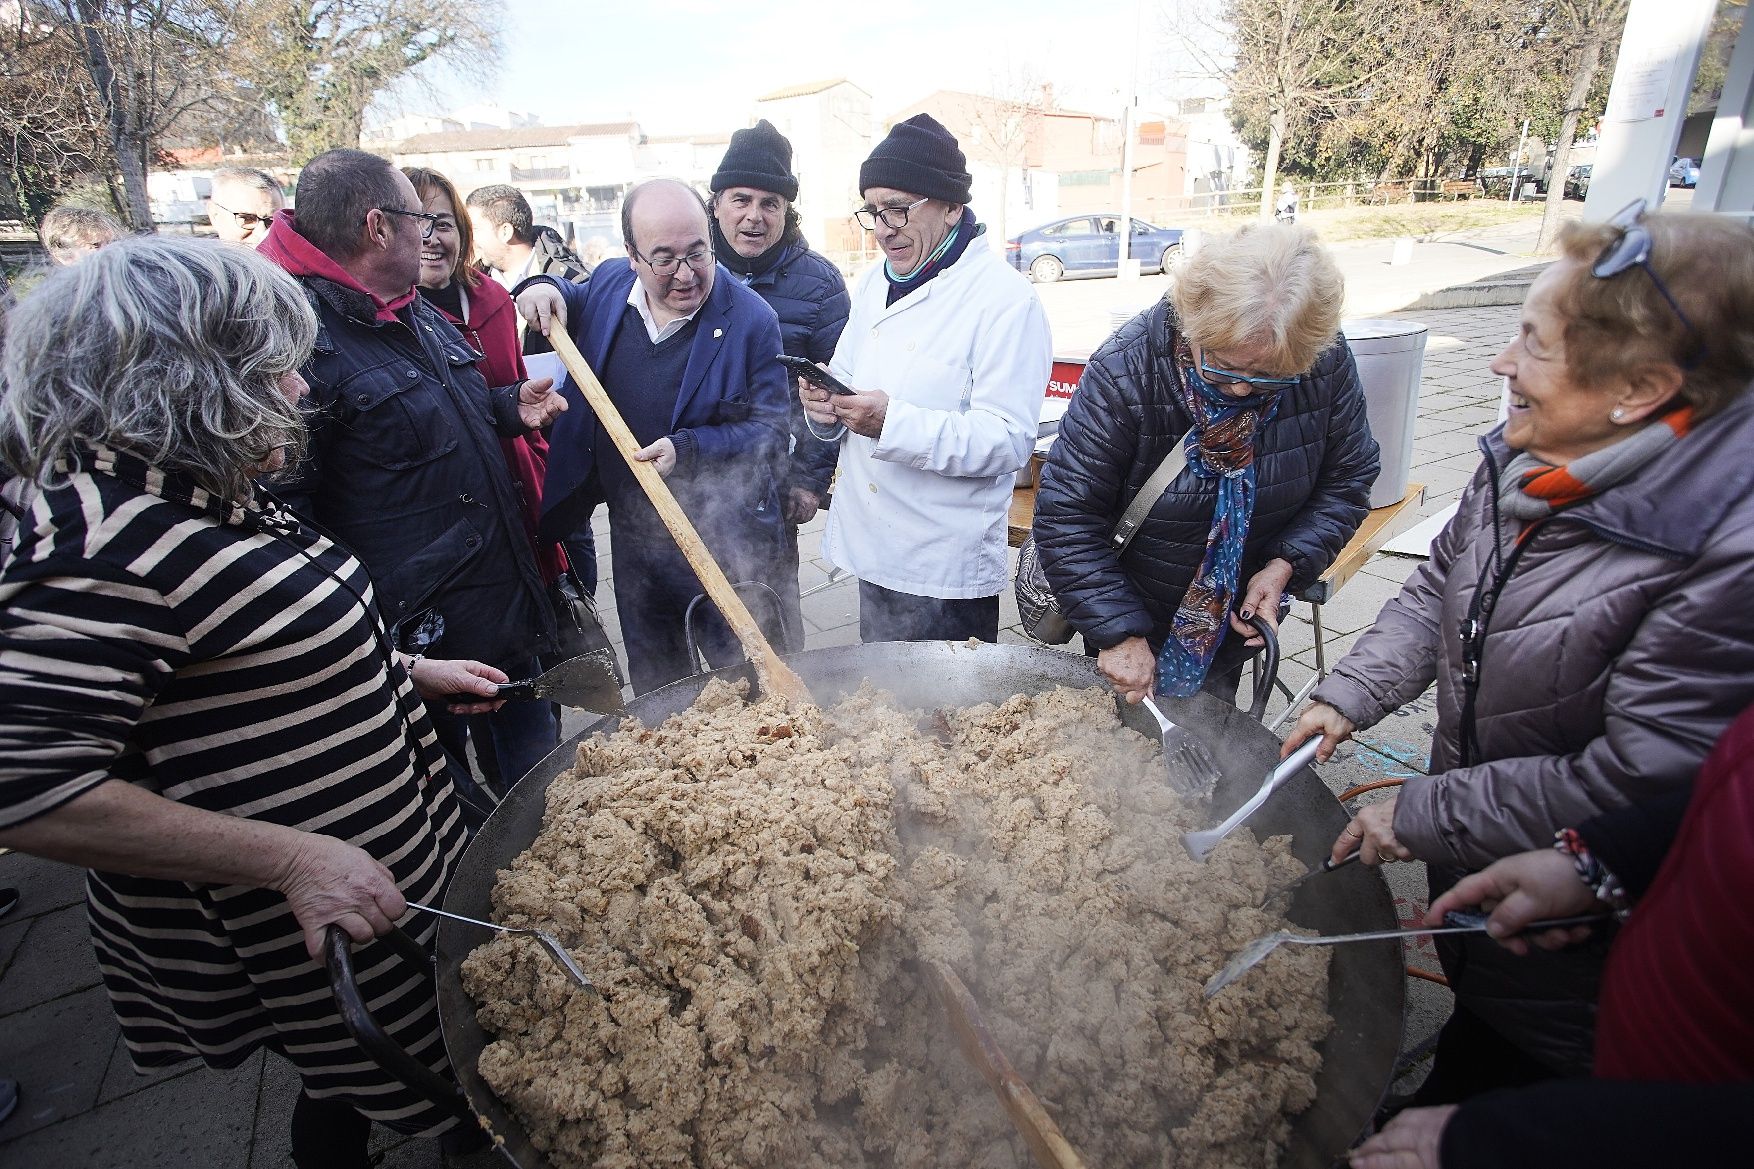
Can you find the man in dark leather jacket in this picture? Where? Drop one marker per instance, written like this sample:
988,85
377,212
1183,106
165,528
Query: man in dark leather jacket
404,465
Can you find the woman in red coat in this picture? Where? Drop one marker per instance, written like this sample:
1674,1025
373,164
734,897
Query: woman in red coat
521,733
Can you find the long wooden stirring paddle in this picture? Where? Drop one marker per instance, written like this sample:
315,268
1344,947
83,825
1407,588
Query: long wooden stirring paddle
773,675
1047,1144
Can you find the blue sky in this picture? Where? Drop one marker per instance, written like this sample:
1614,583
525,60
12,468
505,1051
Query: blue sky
686,65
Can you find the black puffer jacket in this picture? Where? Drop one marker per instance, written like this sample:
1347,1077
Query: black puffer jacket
1316,463
809,296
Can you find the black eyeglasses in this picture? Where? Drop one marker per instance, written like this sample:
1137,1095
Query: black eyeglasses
894,218
1632,250
247,218
700,260
428,222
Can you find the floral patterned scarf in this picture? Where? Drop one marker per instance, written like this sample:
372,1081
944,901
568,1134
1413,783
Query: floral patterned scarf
1221,446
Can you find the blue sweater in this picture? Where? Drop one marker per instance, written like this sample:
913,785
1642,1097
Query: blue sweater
730,421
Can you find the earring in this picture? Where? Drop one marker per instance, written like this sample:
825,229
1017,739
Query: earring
1617,414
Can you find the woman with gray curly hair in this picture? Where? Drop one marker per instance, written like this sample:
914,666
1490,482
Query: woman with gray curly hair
1240,373
198,701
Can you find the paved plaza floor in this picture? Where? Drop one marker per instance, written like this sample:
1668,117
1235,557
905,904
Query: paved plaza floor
83,1107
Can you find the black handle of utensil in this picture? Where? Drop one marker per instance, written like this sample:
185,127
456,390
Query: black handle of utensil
1329,864
758,589
372,1038
1269,671
523,691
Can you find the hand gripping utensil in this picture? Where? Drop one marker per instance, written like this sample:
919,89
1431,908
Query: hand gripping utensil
1047,1144
588,682
1455,922
1200,844
1186,757
548,940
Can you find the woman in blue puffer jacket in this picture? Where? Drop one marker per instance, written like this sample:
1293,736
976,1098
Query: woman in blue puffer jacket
1243,364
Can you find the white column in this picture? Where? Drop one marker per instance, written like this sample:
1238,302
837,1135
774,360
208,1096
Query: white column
1726,173
1659,54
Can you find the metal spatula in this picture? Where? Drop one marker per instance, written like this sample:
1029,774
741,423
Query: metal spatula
1455,922
1186,757
548,940
1200,844
588,682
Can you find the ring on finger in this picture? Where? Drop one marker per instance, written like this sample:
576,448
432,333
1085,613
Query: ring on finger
1355,832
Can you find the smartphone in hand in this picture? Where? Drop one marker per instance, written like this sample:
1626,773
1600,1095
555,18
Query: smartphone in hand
810,371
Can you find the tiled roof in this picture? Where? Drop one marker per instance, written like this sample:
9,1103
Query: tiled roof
521,136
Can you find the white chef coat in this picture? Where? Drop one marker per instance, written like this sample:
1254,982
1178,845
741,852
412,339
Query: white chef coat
965,360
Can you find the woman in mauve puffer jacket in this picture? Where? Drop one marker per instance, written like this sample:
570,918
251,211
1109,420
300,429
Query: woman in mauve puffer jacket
1586,615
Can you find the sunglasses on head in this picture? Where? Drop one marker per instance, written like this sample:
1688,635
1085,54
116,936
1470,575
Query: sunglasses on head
1632,250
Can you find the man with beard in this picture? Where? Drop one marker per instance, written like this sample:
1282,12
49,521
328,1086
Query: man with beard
756,235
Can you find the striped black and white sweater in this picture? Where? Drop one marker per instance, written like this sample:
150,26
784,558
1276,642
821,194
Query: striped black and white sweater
222,655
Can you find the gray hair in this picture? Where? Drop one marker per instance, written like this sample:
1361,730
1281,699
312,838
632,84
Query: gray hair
66,227
171,349
255,180
1271,285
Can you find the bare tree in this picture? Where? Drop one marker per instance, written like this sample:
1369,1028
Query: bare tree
318,64
1002,124
149,62
1287,61
1583,28
51,131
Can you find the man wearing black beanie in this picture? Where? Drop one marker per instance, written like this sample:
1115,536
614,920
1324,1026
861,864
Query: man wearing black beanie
949,351
756,235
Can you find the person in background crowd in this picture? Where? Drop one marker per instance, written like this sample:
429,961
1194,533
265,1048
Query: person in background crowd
198,700
512,246
757,236
1244,365
687,354
69,234
405,465
949,351
1285,209
482,311
242,204
1674,1057
597,249
1583,615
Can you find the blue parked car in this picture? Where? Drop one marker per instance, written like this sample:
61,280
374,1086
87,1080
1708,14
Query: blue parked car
1084,245
1684,172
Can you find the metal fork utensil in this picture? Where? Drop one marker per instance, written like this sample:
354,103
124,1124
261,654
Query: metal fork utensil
548,940
1455,922
1200,844
1184,755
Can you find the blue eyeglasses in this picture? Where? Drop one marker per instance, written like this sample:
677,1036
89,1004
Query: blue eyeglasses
1225,377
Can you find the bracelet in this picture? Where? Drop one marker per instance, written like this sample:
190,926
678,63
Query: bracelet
412,662
1592,872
